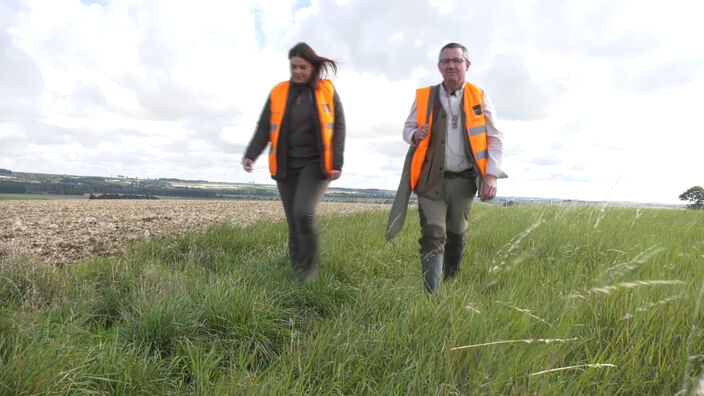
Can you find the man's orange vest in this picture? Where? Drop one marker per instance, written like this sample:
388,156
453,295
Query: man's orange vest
475,125
326,112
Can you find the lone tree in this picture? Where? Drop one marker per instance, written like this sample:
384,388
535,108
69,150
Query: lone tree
695,195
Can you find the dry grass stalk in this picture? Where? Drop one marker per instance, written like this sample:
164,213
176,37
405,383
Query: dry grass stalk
524,311
647,307
514,243
526,341
640,258
470,308
517,241
600,216
624,285
579,366
636,218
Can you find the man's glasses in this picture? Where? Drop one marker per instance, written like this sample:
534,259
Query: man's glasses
457,61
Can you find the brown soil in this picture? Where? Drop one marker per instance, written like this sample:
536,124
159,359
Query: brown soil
65,231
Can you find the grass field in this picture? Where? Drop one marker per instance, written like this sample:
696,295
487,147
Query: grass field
551,300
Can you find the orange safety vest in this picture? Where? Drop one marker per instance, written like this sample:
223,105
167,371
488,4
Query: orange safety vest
326,112
475,125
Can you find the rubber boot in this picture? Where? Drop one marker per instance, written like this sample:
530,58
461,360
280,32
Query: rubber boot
454,252
432,267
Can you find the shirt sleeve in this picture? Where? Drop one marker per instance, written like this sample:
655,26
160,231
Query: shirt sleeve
410,126
338,138
494,139
261,135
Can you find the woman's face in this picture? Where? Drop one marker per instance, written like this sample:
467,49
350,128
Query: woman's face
301,70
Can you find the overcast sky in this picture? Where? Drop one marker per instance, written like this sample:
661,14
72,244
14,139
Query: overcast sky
597,100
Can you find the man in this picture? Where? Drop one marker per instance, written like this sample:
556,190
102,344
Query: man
458,152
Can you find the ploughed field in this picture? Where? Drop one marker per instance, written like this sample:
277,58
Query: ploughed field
65,231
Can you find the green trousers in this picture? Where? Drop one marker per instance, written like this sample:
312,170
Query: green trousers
447,215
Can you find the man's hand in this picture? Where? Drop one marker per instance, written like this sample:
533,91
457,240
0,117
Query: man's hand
487,190
334,175
247,164
420,134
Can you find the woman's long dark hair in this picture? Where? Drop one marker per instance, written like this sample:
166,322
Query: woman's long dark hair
321,66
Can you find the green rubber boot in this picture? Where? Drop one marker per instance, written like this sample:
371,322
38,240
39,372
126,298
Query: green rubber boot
432,269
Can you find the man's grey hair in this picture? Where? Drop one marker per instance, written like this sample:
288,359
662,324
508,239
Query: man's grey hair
465,53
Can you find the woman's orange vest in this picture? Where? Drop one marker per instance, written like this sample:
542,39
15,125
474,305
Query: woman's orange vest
326,112
474,122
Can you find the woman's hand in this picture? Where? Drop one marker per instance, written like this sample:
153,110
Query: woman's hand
247,164
334,175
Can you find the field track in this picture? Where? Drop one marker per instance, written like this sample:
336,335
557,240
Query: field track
65,231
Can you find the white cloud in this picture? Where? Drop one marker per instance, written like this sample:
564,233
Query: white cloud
596,99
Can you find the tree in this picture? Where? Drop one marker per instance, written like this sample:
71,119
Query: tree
695,195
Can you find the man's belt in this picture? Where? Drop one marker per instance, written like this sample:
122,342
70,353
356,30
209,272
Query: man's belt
465,174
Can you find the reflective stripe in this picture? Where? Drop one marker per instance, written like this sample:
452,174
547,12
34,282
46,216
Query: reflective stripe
326,107
482,154
478,130
272,127
331,125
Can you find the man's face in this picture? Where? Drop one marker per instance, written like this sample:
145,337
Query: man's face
452,65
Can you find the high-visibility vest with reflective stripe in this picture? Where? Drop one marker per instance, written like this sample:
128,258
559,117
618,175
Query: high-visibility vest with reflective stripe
475,125
326,112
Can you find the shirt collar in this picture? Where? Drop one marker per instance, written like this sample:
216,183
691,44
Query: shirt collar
456,93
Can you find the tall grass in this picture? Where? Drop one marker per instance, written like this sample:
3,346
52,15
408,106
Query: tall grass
550,300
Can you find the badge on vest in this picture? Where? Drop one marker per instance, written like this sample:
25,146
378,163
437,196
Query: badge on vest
477,109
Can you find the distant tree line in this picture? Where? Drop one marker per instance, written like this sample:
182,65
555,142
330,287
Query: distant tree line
121,196
82,186
361,195
250,192
110,188
11,187
172,180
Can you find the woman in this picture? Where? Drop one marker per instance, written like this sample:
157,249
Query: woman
304,125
